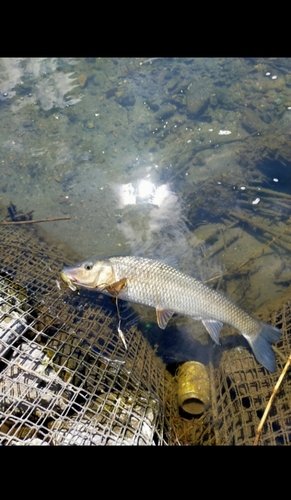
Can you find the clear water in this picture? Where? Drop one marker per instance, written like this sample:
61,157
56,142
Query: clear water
180,159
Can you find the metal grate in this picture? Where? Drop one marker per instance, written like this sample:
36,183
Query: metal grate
66,378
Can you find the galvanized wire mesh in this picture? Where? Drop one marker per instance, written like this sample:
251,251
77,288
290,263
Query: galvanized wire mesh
66,378
243,389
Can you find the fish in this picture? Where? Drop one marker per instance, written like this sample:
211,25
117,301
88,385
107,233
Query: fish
156,284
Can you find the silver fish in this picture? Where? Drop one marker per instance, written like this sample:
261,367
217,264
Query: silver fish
153,283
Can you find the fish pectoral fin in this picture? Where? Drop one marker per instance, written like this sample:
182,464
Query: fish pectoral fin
163,316
213,327
115,288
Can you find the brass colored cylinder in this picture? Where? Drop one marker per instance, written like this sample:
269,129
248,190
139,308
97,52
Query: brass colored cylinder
193,387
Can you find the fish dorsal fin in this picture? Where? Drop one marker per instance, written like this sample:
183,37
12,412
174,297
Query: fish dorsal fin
213,327
163,316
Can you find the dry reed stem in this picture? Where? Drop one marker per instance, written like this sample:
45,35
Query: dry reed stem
268,407
52,219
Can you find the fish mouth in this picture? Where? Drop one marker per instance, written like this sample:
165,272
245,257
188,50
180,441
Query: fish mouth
71,278
68,280
66,277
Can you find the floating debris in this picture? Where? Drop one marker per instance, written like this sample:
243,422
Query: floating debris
224,132
256,201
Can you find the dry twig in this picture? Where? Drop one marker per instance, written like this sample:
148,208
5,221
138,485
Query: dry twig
52,219
268,407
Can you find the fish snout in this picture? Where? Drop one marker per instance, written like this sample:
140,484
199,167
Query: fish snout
68,278
66,275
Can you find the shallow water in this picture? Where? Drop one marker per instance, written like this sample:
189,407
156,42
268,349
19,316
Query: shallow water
186,160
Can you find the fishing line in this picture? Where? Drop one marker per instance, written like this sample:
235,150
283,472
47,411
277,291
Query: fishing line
120,332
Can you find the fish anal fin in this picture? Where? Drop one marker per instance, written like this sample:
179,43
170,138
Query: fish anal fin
163,316
115,288
213,327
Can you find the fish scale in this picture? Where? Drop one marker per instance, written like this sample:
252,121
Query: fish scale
166,287
156,284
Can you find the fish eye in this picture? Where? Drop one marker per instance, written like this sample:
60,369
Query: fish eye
88,267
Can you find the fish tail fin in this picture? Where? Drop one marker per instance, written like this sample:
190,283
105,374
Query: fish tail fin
261,347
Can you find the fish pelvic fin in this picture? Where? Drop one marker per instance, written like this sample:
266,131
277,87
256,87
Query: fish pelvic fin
213,327
261,347
163,316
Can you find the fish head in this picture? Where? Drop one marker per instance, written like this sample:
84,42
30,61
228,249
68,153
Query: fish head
93,274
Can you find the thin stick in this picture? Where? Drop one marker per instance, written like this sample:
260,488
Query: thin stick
52,219
268,407
274,194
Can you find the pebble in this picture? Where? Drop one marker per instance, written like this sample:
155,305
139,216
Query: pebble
63,199
82,79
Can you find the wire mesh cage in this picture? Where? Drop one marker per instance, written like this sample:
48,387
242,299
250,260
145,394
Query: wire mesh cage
67,379
243,389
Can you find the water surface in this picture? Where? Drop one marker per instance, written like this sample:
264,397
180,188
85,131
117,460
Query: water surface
185,160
